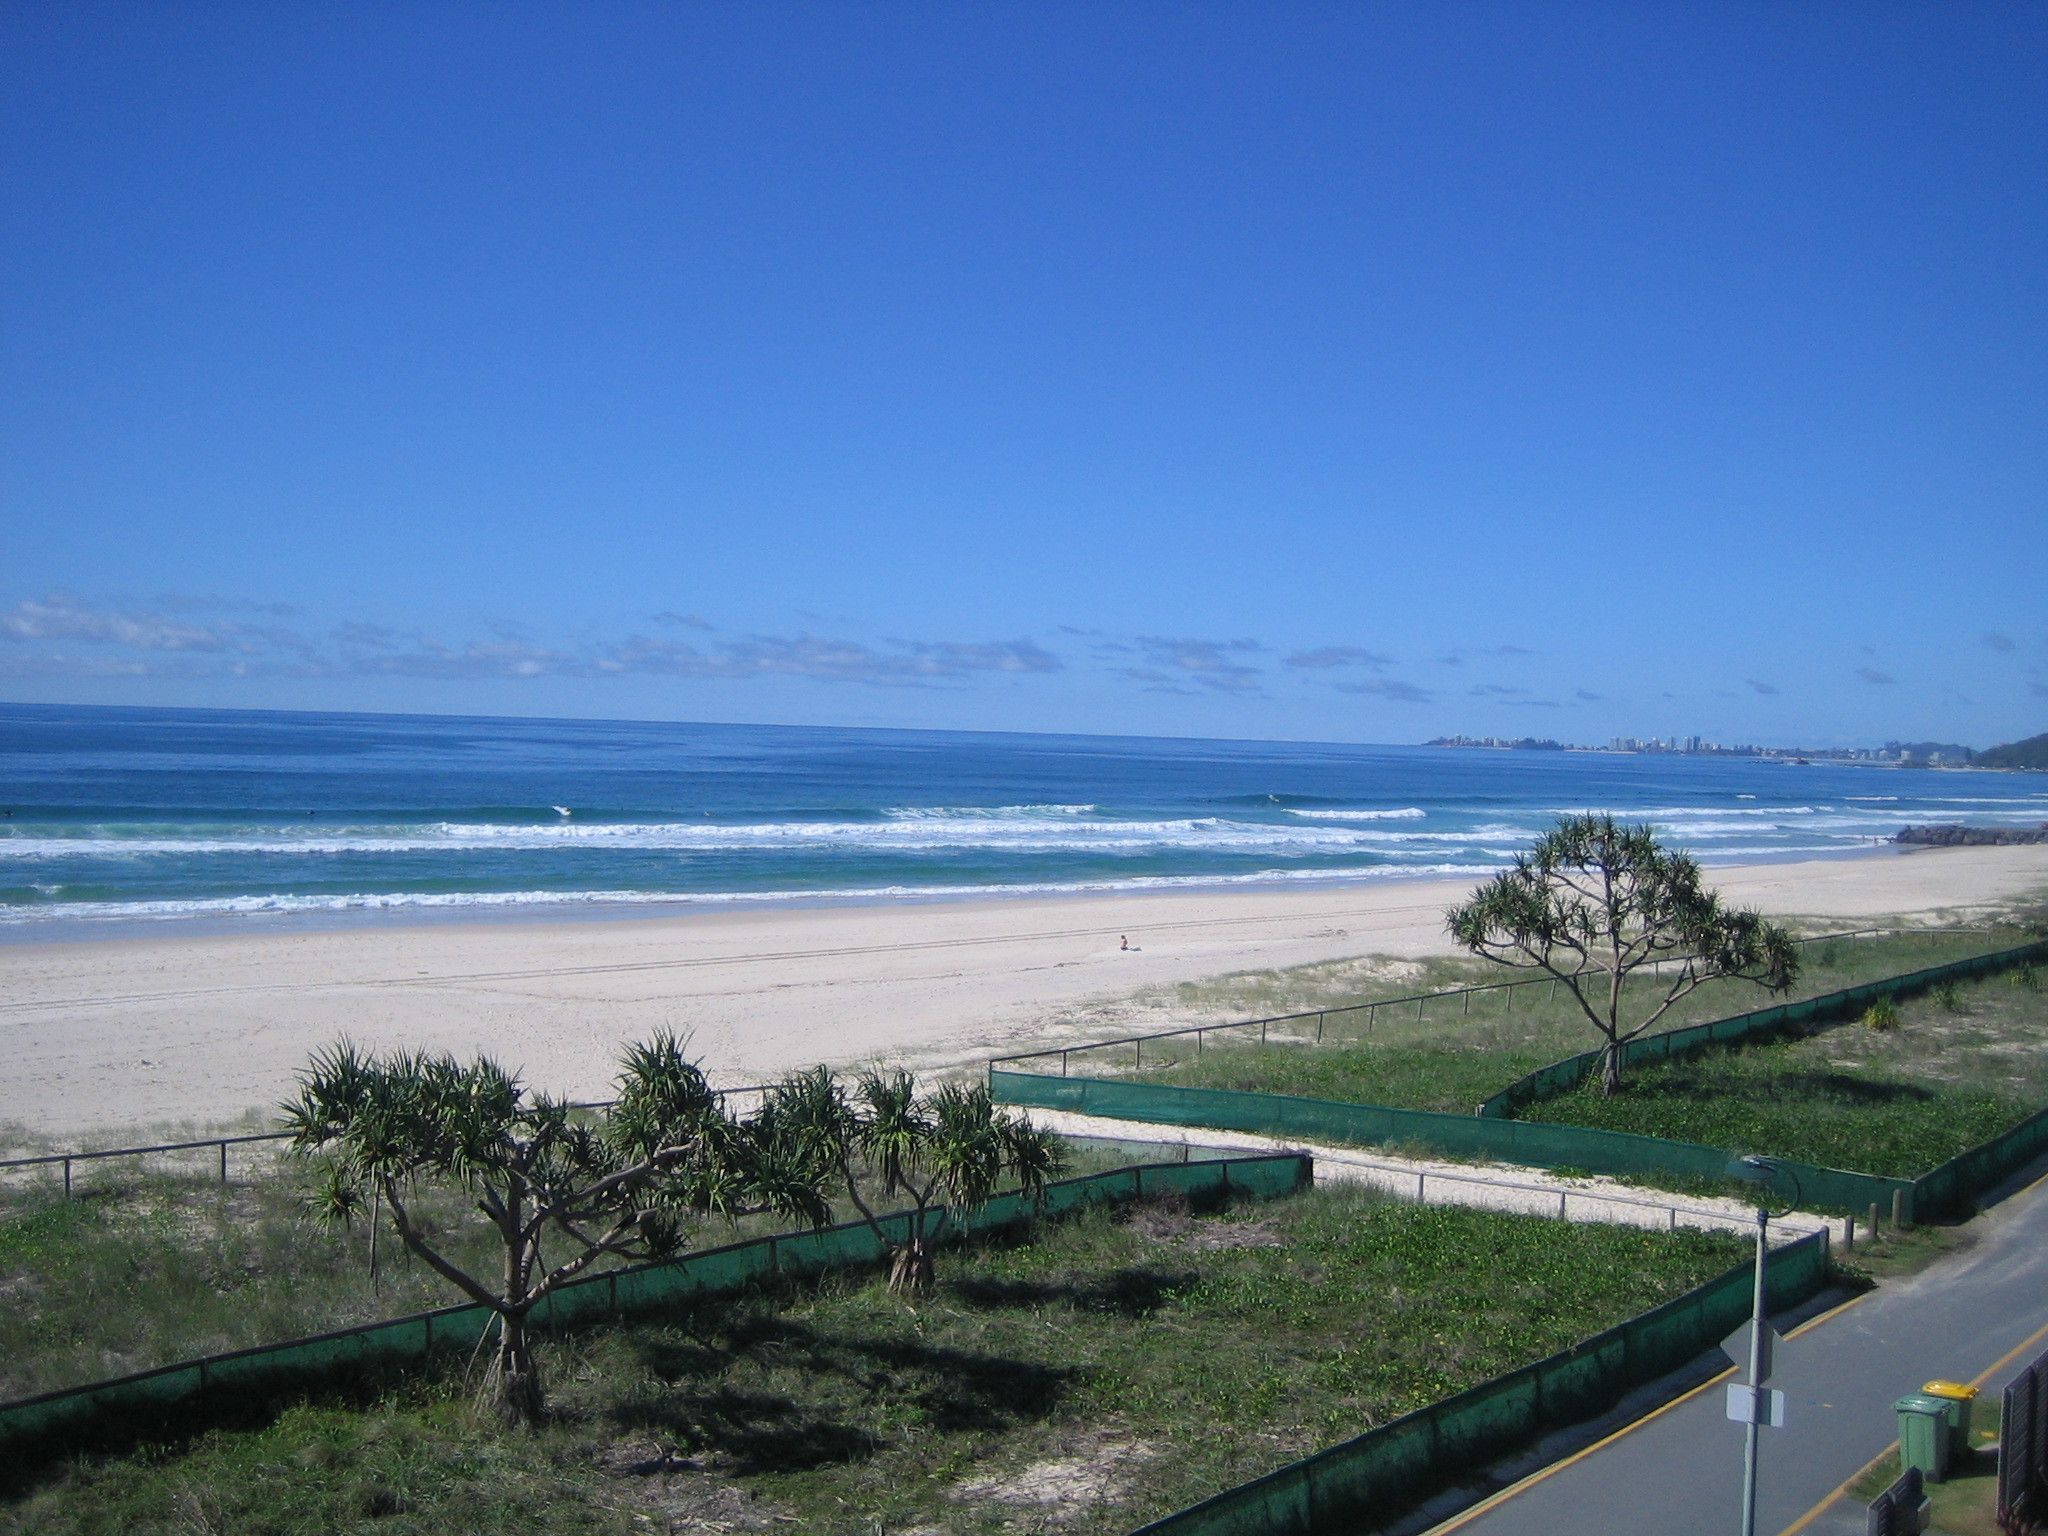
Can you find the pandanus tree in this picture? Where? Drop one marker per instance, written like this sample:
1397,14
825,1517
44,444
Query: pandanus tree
887,1141
561,1189
1594,902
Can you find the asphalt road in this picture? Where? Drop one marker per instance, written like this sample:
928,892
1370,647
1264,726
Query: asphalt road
1678,1470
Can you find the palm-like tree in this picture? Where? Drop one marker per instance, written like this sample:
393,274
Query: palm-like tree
1594,901
631,1180
947,1147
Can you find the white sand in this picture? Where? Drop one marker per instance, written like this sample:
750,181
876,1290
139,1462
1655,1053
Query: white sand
109,1035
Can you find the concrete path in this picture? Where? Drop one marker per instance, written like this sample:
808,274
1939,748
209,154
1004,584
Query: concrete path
1489,1186
1976,1317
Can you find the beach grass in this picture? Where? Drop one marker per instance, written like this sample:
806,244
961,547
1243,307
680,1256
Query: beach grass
1953,1069
1949,1069
138,1269
1100,1371
1452,1052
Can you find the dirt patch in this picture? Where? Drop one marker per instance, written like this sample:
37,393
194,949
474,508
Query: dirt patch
1170,1222
649,1475
1094,1471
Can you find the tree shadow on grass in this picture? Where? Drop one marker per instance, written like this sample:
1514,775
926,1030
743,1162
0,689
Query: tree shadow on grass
751,1430
1123,1292
1807,1086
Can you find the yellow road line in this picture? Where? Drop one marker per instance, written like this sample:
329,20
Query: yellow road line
1978,1380
1465,1517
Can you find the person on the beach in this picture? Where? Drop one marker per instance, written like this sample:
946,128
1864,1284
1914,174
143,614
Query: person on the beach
1126,941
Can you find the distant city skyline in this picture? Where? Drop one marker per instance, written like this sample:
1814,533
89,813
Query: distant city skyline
1359,374
1932,753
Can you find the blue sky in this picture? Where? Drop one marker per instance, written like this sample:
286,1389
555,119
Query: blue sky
1353,372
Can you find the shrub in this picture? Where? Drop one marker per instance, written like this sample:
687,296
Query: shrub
1949,996
1882,1015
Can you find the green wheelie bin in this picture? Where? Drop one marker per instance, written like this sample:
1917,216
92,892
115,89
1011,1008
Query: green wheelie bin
1957,1401
1923,1435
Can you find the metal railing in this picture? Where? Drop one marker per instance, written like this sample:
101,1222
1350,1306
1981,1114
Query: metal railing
220,1144
1411,1181
1666,1212
1419,1001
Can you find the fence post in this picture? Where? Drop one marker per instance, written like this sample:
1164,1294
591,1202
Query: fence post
1063,1063
1319,1026
1372,1012
1418,1008
223,1162
1898,1208
1873,1218
67,1178
1262,1031
1140,1044
1201,1033
1468,1004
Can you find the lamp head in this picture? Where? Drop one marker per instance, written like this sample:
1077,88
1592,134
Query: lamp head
1754,1169
1762,1174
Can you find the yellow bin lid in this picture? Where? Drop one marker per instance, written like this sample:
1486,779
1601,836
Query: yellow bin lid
1954,1389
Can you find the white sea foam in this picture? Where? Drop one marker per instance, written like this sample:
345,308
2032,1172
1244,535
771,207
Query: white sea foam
984,812
928,835
395,901
2039,801
1405,813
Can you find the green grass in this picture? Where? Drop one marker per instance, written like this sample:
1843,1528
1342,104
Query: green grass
1454,1080
1951,1071
1460,1053
1965,1503
141,1270
140,1273
1112,1368
1774,1099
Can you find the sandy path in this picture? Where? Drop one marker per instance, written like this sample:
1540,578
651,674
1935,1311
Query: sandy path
1483,1186
129,1032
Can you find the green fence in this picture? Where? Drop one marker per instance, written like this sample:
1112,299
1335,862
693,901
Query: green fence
184,1392
1529,1143
1963,1177
1563,1076
1489,1137
1367,1480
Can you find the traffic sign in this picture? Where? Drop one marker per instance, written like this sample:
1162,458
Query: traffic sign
1736,1348
1756,1405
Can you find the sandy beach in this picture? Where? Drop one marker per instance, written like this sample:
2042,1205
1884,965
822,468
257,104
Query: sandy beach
108,1035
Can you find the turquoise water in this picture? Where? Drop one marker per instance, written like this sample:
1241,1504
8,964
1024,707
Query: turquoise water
129,814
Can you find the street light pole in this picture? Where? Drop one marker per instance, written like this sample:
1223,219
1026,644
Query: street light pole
1759,1173
1753,1428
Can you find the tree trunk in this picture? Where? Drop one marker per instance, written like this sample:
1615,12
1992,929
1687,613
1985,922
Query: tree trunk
1610,1069
911,1273
515,1383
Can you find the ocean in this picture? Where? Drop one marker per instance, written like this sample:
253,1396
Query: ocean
118,816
